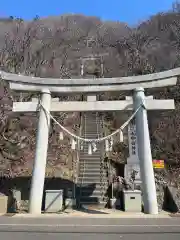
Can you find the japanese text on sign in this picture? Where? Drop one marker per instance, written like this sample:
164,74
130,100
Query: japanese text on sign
133,140
158,164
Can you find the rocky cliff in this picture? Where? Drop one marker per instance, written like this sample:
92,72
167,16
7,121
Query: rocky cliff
53,47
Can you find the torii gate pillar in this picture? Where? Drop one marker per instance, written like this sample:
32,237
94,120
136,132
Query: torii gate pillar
39,168
144,152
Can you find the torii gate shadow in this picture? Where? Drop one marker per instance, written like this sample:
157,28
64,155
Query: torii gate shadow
23,184
83,208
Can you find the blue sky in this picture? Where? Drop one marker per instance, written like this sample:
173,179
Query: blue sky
130,11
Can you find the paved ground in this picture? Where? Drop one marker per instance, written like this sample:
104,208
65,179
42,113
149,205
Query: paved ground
82,228
96,213
79,236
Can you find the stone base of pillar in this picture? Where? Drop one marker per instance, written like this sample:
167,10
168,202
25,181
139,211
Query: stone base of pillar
132,201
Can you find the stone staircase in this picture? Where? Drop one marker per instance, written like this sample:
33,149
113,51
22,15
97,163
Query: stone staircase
92,180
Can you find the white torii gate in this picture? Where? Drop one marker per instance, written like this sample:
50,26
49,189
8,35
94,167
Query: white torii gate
135,83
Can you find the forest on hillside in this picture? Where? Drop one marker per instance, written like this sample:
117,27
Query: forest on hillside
52,47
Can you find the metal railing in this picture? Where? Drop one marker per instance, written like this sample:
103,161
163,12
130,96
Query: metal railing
102,169
109,170
84,165
99,135
77,158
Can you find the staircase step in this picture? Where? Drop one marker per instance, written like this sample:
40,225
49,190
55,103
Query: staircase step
89,202
91,131
91,186
89,161
94,119
85,151
85,166
89,179
94,207
86,146
92,122
97,184
91,190
89,199
90,176
89,165
96,155
92,194
89,169
90,136
89,182
87,158
93,156
95,195
88,172
91,173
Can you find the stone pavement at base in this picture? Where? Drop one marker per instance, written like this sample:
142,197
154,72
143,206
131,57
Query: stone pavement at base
92,213
85,226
